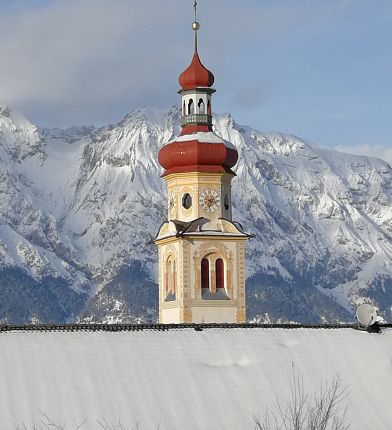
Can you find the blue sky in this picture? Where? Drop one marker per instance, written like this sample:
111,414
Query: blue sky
318,69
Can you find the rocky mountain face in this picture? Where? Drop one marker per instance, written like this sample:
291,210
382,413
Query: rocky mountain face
79,209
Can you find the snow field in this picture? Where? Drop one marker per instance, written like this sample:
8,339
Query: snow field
183,379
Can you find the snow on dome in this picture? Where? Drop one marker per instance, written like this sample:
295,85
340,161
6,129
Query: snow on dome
196,75
205,137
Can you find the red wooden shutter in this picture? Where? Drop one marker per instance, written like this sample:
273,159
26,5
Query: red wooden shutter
220,273
205,273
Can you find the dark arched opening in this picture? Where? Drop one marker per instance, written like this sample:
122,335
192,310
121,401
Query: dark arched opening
191,107
226,202
186,200
220,273
205,273
201,106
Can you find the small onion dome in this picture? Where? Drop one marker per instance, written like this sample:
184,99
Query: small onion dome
199,152
196,75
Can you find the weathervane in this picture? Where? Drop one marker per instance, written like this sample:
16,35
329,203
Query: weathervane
196,24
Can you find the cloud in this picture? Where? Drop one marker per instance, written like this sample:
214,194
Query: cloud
70,62
90,61
75,60
379,151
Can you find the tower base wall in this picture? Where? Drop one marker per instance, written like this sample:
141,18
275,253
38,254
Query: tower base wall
208,314
170,316
202,314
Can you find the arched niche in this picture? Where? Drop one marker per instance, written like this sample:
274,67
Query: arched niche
213,276
191,107
201,106
170,286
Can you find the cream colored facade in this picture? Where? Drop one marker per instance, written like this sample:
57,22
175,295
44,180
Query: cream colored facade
200,227
198,185
201,250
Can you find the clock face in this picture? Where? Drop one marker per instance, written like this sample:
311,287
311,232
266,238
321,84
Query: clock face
209,200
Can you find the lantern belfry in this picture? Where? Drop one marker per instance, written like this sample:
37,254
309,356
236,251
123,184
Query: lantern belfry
201,250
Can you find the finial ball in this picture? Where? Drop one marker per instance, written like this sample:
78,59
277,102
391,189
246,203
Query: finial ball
196,26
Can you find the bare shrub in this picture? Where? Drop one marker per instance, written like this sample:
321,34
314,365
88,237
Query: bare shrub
47,423
321,410
105,425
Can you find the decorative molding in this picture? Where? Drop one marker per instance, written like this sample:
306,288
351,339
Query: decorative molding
218,250
189,250
164,230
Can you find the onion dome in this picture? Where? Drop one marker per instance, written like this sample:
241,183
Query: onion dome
198,152
196,75
198,148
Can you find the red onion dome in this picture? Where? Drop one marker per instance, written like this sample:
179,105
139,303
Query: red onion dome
196,75
199,152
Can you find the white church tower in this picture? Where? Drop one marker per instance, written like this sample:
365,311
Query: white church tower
201,249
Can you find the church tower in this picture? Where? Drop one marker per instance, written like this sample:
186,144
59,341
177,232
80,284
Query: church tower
201,249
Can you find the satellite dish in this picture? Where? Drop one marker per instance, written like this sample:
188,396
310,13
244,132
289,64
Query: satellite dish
366,315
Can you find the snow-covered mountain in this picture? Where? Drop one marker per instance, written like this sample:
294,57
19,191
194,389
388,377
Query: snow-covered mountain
79,209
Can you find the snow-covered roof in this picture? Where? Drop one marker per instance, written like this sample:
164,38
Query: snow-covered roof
201,227
187,379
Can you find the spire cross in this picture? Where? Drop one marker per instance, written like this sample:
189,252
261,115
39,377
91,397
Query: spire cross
195,6
195,24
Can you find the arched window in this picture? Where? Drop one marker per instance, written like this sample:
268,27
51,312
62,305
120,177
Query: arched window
226,202
169,276
170,280
201,106
209,107
174,278
191,107
219,273
187,201
205,273
166,280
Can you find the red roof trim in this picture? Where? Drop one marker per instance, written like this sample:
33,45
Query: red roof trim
198,168
195,128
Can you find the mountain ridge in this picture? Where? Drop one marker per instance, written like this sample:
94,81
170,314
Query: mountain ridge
80,207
